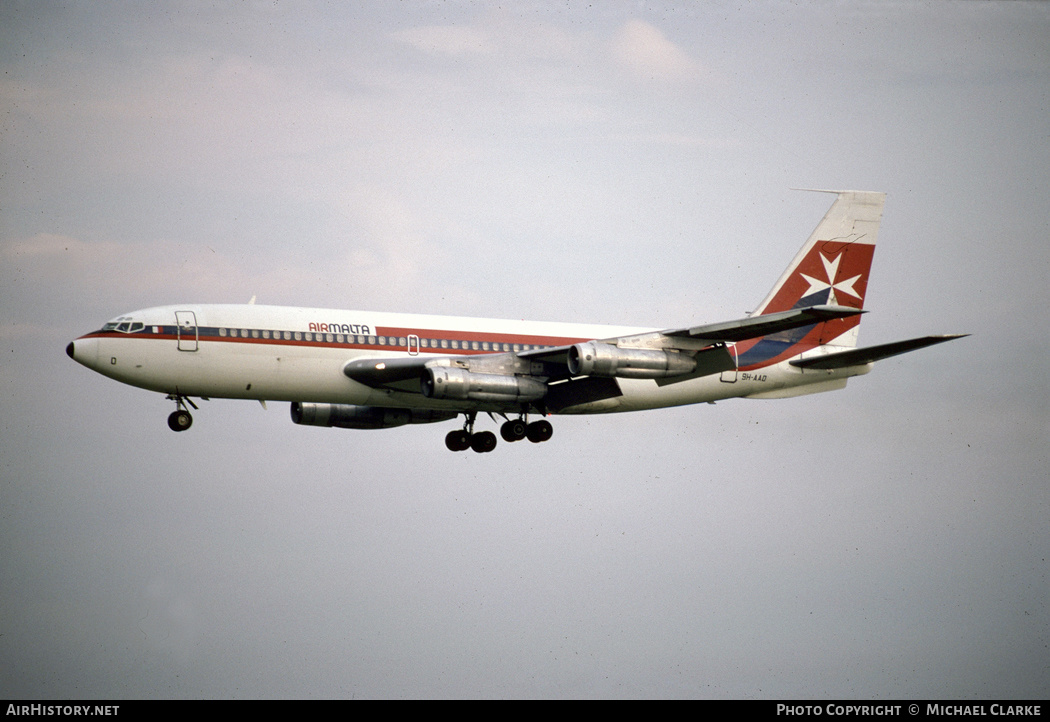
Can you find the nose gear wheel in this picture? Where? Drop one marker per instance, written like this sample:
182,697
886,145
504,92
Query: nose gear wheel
180,419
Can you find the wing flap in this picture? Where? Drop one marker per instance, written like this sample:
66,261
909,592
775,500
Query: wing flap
709,361
576,392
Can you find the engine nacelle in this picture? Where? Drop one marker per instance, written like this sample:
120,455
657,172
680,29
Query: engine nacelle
349,416
601,359
443,382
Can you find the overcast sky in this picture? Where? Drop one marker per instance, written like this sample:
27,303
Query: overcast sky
623,163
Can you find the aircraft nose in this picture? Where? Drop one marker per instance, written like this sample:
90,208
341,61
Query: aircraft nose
83,351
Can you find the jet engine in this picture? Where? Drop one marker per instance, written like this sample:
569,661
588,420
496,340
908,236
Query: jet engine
442,382
602,359
349,416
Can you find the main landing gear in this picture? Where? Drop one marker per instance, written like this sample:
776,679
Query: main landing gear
180,419
485,441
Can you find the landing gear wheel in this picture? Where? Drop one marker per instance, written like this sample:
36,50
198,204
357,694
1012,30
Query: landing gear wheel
513,430
180,420
539,431
458,440
483,442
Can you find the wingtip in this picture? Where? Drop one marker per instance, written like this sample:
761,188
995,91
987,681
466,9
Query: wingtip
838,192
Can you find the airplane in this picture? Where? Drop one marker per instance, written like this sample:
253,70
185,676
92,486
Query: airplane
371,370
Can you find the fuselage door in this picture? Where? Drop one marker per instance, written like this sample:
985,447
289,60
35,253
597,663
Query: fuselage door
729,376
186,330
413,345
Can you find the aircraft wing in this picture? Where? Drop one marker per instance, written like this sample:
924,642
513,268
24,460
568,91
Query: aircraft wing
764,325
716,333
551,363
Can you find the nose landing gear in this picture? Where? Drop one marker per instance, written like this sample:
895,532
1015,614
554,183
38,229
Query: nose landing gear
180,419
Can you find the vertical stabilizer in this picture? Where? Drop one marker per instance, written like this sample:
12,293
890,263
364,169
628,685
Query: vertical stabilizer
833,265
831,268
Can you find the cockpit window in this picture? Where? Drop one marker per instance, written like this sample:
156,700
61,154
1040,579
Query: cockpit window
124,324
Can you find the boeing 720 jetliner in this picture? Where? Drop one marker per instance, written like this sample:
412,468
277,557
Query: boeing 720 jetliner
370,370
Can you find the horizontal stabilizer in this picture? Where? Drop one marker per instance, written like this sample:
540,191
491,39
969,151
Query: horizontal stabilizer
870,354
755,326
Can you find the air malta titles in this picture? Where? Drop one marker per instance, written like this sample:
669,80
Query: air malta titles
353,328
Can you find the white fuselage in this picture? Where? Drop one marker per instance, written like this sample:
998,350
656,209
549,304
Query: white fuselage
273,353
